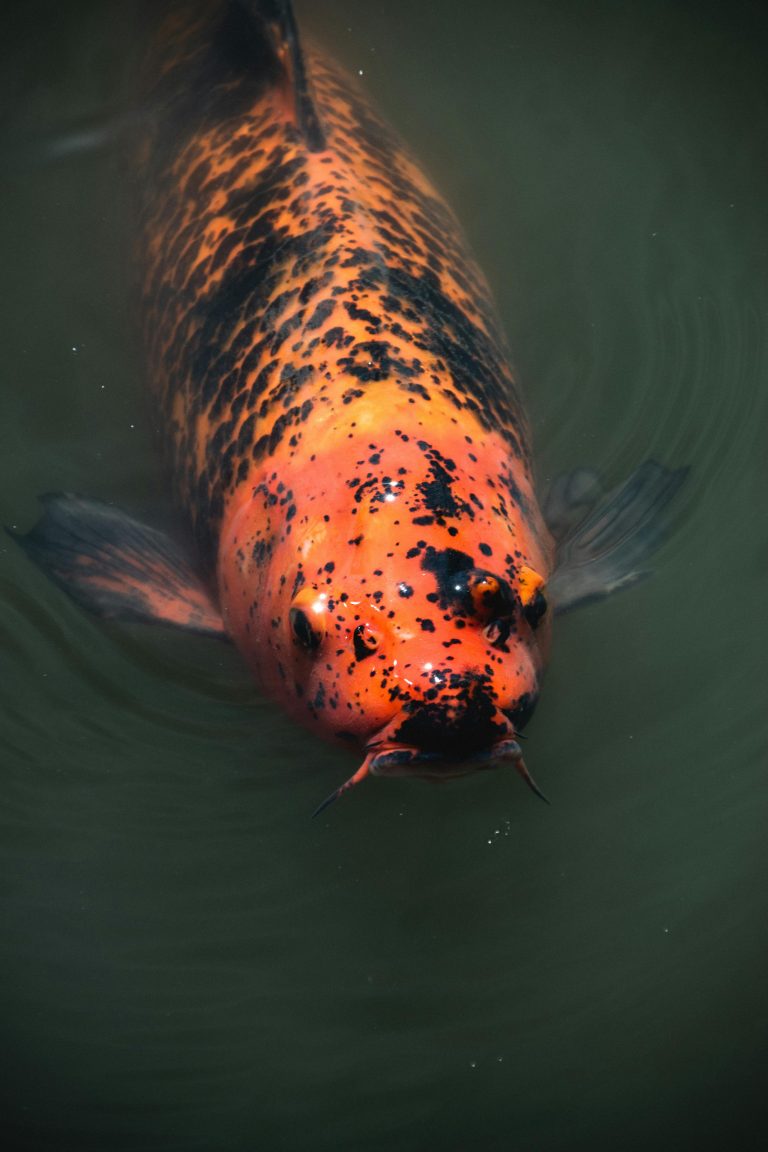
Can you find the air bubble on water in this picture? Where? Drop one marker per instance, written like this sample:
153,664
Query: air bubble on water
504,830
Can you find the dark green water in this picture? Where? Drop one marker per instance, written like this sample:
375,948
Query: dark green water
187,961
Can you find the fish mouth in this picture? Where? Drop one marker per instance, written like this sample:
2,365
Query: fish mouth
441,740
385,758
406,761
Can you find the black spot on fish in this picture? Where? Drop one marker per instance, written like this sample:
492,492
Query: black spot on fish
461,719
449,568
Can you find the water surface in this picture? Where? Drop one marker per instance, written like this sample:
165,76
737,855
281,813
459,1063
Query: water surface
187,960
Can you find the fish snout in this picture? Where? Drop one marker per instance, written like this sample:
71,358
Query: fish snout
453,728
453,721
455,713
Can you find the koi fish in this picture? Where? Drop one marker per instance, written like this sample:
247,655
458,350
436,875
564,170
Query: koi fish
347,440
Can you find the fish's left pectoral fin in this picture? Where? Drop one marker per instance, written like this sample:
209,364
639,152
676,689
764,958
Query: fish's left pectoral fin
604,540
117,567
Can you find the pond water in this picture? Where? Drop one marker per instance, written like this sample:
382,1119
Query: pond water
187,960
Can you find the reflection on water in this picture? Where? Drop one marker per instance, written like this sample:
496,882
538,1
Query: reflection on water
188,961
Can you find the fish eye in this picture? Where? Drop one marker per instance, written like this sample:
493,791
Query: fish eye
365,640
489,597
535,609
307,619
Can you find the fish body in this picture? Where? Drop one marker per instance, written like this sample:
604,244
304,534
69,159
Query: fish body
346,436
345,430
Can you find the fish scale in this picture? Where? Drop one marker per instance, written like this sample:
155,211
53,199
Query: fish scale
282,283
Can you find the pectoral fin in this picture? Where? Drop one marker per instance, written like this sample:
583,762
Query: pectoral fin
117,567
604,540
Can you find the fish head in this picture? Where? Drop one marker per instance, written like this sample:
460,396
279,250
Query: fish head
396,641
430,684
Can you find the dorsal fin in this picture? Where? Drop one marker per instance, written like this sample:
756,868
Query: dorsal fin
276,19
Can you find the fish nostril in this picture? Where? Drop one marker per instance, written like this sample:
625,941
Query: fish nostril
497,633
365,640
305,634
307,619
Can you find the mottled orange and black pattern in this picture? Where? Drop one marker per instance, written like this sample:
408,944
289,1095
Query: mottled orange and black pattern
344,428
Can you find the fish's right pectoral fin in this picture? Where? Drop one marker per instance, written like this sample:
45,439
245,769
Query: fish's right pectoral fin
117,567
604,540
